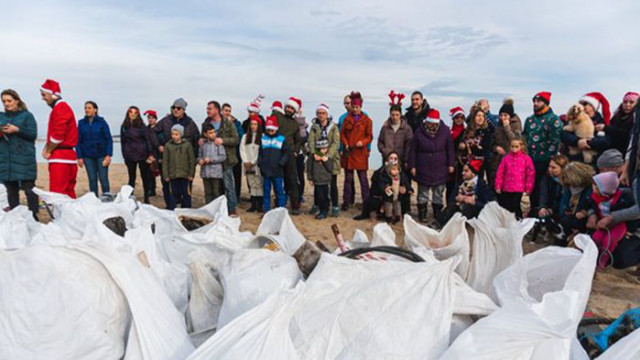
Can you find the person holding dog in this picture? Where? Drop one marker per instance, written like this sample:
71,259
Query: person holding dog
596,107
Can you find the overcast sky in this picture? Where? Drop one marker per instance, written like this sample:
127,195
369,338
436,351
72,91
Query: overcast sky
147,53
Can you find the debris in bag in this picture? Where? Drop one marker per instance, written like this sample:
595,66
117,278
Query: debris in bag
307,257
193,222
598,343
116,224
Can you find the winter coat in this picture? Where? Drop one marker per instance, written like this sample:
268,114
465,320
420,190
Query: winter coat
217,155
135,143
569,209
355,158
503,135
94,138
398,141
63,131
230,139
431,157
386,180
332,135
550,193
319,171
274,153
619,130
415,120
179,161
632,152
304,132
191,131
18,150
516,173
290,129
249,154
482,193
599,143
542,133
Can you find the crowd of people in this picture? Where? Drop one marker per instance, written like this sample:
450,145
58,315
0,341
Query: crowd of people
577,169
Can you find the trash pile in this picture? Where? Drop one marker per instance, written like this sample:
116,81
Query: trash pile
124,280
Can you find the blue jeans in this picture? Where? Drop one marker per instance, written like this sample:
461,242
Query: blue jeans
96,171
230,189
277,182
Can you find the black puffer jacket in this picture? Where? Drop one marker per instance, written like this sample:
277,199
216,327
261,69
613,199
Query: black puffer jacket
414,119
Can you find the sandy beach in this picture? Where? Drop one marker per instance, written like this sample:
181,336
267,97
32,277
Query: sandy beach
613,291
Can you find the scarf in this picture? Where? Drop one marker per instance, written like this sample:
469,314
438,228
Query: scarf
604,202
456,131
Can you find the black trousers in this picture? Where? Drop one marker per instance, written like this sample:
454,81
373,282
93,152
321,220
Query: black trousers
334,191
13,194
237,176
145,174
321,195
541,170
291,180
300,167
511,201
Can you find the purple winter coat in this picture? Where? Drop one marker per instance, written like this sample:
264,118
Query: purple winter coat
136,143
431,156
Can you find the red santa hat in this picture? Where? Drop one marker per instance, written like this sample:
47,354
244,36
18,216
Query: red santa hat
51,87
271,123
544,96
256,118
324,107
456,111
294,103
475,166
599,102
433,117
152,113
256,104
631,96
277,106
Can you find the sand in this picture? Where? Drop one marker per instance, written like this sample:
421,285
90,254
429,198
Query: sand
613,291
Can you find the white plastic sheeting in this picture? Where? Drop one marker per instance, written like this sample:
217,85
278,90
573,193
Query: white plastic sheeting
542,298
3,197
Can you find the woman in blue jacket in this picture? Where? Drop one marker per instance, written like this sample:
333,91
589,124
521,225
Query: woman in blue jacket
95,147
18,168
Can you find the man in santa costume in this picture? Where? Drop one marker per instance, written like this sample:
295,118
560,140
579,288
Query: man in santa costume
62,137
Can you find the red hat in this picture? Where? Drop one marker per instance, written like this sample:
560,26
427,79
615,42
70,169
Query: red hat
256,118
433,117
545,96
152,113
456,111
295,103
51,87
475,166
356,98
277,106
324,107
631,96
599,102
272,123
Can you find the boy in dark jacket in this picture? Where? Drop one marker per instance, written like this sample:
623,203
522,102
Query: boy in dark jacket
271,161
319,174
179,167
473,194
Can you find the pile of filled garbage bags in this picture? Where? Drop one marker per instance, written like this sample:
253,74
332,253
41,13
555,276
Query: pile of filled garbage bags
124,280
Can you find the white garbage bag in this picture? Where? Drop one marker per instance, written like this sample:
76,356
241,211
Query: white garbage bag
17,228
4,202
543,296
497,244
627,348
278,225
451,241
57,303
205,302
251,276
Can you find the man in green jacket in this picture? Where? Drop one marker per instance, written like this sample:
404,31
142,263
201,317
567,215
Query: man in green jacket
291,130
227,136
542,131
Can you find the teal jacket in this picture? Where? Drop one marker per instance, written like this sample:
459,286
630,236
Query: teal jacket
18,150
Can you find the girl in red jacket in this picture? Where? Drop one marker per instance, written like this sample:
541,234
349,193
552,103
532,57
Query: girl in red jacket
515,177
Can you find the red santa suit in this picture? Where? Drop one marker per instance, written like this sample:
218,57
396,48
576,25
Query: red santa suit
63,131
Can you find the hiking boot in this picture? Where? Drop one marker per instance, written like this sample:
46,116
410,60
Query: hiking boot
253,207
313,210
335,212
295,210
259,204
437,210
345,207
321,215
422,212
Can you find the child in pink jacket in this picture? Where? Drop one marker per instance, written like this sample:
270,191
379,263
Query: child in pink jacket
515,177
